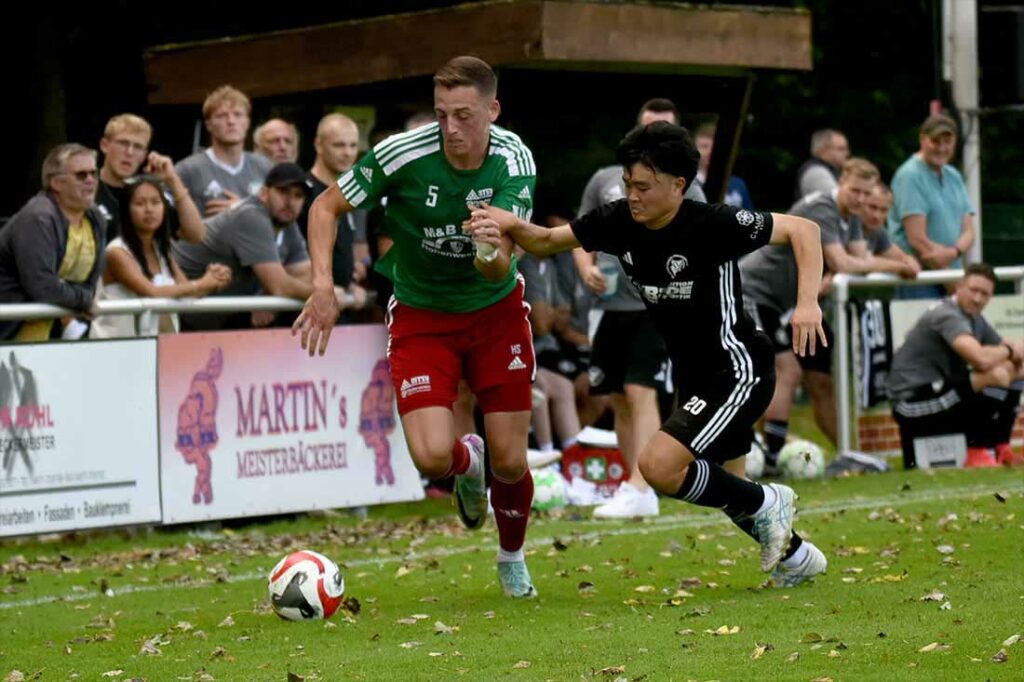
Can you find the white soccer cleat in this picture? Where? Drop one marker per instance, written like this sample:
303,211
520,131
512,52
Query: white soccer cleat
515,580
471,491
813,564
628,503
774,526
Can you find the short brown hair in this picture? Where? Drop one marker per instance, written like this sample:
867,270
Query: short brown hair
225,94
127,123
57,159
860,168
468,71
982,270
659,105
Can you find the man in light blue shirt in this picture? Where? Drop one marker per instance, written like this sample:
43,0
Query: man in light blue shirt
931,216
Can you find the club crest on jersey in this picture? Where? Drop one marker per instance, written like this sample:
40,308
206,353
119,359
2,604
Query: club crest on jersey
675,264
477,196
748,219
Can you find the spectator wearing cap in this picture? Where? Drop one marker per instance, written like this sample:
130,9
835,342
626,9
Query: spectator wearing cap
931,216
51,251
260,241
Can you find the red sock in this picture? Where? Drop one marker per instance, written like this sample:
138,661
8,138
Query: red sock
511,502
460,460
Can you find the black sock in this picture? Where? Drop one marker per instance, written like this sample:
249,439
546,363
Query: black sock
709,485
746,524
775,432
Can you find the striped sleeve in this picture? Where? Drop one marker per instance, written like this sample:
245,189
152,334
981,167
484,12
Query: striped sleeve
516,192
370,177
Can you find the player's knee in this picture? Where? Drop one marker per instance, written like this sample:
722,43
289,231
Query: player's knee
431,456
651,468
508,469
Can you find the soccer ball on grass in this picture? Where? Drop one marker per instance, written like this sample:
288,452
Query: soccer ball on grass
801,459
306,585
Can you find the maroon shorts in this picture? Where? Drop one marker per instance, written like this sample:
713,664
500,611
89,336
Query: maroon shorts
492,348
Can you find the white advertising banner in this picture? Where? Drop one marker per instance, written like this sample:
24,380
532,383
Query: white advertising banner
251,425
78,433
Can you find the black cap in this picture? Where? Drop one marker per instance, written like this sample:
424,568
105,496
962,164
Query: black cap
285,174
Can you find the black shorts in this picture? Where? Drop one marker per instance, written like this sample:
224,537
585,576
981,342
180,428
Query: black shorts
570,362
627,349
776,326
716,415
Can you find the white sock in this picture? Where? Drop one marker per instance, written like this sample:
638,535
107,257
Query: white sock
546,447
798,556
568,443
475,467
769,498
508,557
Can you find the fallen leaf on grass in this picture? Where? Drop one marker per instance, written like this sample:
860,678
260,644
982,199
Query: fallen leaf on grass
410,645
15,676
611,670
760,650
933,647
792,658
822,679
1010,641
724,630
521,665
407,621
810,638
559,545
834,654
442,629
435,654
403,571
292,677
425,600
489,615
1002,497
219,652
183,626
945,549
226,623
934,595
645,588
113,673
151,647
1000,656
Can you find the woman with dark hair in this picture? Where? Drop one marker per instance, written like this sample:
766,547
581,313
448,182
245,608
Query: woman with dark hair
139,264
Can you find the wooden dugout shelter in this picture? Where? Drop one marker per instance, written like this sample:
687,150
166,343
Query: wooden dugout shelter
708,53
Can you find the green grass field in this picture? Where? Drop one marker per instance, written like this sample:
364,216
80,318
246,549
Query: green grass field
924,582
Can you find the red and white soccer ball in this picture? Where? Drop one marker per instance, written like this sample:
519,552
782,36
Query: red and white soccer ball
306,585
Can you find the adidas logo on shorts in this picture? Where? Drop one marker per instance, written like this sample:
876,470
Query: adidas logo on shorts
517,363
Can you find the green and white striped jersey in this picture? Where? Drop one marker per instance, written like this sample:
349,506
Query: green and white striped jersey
431,262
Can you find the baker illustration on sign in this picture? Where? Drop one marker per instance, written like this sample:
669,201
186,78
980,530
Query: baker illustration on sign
197,424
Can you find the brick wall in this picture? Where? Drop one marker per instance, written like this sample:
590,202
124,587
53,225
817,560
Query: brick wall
879,434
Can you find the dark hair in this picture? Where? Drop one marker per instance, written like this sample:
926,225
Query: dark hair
659,105
981,269
162,237
468,71
660,146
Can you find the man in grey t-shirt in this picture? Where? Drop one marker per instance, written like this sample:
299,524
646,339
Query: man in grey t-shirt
259,240
769,287
224,173
955,374
628,358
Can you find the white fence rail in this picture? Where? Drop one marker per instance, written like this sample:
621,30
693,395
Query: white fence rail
842,287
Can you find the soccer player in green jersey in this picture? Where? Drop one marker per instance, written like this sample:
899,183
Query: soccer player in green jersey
458,309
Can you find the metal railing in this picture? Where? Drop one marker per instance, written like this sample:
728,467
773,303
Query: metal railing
142,308
842,285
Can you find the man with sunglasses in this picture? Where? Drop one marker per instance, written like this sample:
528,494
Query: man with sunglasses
51,251
125,147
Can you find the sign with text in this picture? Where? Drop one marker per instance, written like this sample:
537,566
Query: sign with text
251,425
79,442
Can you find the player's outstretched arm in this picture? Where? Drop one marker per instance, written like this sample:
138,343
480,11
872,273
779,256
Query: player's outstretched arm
321,310
540,241
805,238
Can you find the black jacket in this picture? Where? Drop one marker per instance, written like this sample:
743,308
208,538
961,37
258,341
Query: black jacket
32,246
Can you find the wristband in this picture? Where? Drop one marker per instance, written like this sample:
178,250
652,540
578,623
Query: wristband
486,252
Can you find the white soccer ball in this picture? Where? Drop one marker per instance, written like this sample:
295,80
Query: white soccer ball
306,585
548,489
754,461
801,459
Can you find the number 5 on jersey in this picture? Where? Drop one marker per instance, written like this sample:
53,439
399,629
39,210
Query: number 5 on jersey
432,196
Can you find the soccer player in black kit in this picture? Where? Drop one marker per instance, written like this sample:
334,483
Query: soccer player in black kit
681,256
